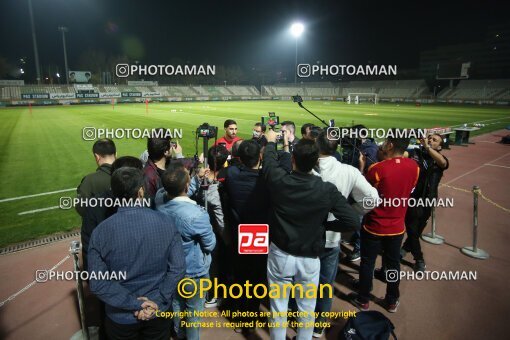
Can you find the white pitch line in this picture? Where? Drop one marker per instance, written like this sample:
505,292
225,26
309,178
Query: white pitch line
475,169
38,210
499,166
35,195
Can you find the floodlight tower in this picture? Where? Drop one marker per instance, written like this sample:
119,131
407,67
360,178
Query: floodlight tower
64,30
34,41
296,29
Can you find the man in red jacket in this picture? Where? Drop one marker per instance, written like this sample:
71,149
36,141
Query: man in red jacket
394,178
230,137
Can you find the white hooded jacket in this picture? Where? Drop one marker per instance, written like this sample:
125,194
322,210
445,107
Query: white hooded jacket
350,182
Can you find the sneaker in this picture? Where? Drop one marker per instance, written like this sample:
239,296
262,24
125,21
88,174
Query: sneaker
356,256
362,306
392,307
318,332
403,253
419,266
213,302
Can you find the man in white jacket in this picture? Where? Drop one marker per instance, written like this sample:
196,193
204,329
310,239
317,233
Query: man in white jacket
350,182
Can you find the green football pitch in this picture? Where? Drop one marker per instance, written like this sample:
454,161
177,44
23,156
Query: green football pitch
43,151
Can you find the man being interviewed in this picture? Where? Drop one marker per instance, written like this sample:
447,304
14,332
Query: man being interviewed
301,202
230,137
394,178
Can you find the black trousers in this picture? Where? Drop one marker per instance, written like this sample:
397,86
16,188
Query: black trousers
416,221
251,268
370,247
157,329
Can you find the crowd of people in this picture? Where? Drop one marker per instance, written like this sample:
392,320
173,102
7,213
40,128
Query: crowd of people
304,189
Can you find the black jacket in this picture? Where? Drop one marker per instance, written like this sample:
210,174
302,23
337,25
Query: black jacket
248,199
301,203
94,185
91,218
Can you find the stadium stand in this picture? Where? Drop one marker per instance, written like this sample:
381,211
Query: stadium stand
285,90
478,90
11,92
487,90
243,90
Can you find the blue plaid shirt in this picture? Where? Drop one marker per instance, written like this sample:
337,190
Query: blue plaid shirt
147,246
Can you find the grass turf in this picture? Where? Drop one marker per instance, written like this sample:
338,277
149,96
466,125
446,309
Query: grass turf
44,151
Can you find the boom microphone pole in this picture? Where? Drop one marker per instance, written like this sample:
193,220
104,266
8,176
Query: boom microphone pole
299,100
313,114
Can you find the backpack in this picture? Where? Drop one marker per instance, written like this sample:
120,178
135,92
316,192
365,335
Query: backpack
370,325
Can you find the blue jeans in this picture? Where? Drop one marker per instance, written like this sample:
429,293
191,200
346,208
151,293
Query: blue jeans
180,304
284,269
329,268
356,238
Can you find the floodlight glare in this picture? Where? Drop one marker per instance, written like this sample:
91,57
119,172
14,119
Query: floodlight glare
297,29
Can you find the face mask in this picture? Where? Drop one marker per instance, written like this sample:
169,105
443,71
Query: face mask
256,134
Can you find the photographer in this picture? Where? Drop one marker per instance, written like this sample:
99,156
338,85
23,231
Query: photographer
301,202
432,165
288,131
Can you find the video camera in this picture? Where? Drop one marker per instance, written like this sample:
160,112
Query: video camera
207,131
272,120
297,99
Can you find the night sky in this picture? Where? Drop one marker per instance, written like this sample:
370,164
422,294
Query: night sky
245,33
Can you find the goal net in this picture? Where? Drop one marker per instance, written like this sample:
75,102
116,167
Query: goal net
357,98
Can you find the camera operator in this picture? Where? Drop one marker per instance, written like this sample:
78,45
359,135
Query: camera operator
288,130
301,202
230,137
432,165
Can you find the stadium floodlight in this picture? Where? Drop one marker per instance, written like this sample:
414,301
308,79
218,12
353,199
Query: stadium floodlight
296,29
58,75
21,71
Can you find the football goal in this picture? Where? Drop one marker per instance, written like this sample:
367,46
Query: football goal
357,98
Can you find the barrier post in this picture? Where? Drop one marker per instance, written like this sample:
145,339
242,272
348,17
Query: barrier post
75,250
474,251
432,237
